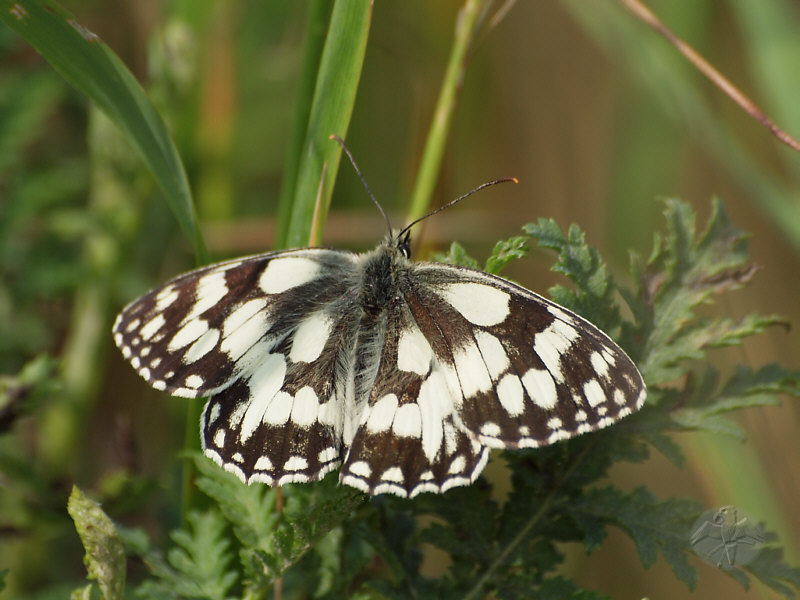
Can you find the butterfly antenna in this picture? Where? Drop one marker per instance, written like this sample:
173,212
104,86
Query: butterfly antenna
452,202
361,177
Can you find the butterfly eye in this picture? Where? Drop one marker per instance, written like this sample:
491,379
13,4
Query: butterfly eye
404,244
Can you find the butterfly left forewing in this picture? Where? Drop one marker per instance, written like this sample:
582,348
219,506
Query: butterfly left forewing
198,333
529,371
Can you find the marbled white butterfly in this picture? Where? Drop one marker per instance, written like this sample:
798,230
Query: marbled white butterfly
404,373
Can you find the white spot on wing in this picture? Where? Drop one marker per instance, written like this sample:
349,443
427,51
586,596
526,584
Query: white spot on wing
165,298
187,334
599,364
152,326
194,381
478,303
305,408
593,393
458,465
296,463
435,403
327,455
279,409
240,334
393,474
242,315
204,344
381,414
219,438
310,337
494,355
264,384
263,464
551,343
285,273
471,370
214,414
414,353
619,397
210,290
407,421
509,392
490,429
360,468
541,388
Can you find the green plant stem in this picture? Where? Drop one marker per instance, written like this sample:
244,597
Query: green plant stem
468,23
544,507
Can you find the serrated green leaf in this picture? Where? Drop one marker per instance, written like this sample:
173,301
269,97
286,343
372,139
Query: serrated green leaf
456,255
769,568
771,378
593,296
92,68
652,524
201,558
744,389
505,251
700,420
308,518
105,556
682,273
250,509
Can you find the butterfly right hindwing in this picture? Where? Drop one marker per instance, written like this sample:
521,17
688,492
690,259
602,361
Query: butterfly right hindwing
407,441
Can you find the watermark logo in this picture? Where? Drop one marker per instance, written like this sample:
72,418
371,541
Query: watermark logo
727,537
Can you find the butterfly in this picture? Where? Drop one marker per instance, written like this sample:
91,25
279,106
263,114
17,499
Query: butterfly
403,373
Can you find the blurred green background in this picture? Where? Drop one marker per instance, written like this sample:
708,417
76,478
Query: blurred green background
594,114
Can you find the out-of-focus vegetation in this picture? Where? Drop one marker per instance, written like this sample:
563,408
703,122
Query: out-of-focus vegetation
589,109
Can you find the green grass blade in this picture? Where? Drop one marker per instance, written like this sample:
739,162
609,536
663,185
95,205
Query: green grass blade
318,13
92,68
334,97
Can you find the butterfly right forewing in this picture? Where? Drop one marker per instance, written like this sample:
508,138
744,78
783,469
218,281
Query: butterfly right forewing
529,371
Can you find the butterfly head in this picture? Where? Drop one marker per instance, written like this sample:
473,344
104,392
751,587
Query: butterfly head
402,241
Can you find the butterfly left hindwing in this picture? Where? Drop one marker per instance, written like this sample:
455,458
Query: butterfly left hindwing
405,372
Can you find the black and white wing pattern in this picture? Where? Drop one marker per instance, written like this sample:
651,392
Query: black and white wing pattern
404,373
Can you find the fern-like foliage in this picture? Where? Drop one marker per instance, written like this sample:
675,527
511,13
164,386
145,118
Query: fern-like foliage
327,541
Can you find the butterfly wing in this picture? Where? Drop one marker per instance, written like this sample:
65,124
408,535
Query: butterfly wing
523,371
260,336
198,333
407,440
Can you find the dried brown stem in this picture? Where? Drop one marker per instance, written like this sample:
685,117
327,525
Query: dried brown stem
646,16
